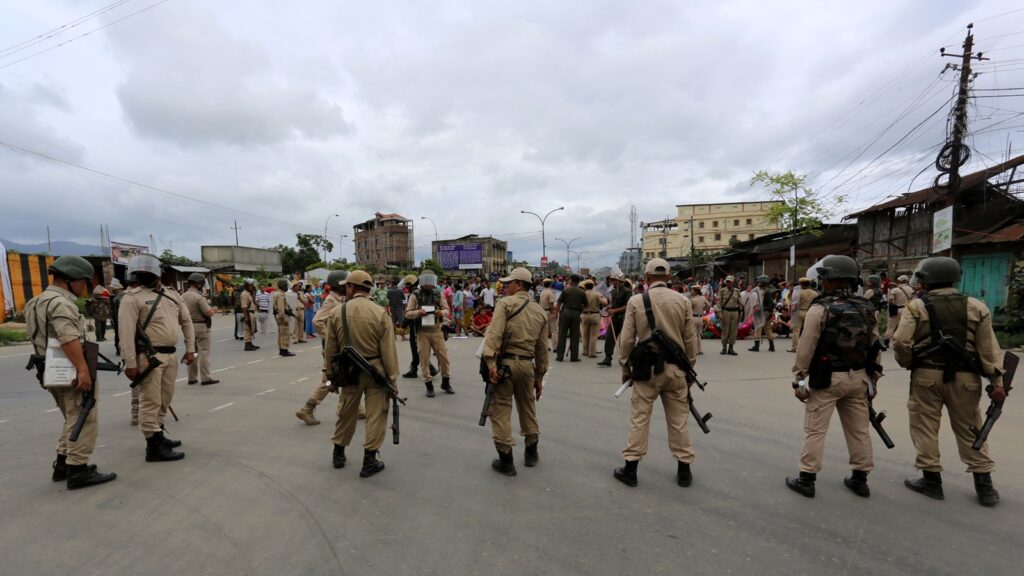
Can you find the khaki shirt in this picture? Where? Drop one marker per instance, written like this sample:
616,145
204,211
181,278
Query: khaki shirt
672,314
320,318
53,314
915,331
171,318
900,295
594,302
527,332
810,333
372,333
699,305
248,302
196,304
728,300
412,309
279,304
807,297
300,303
547,299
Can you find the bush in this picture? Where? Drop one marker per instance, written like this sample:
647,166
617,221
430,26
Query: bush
1009,340
12,336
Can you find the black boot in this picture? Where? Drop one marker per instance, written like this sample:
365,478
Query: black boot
858,483
413,371
756,347
725,349
606,362
167,441
627,474
339,456
803,485
85,475
732,352
370,464
446,385
771,345
504,463
532,457
683,476
158,451
286,352
430,388
249,347
929,484
60,468
987,494
433,370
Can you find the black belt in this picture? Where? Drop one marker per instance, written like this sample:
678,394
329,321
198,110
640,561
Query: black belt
698,315
517,357
591,312
573,309
840,367
731,309
165,349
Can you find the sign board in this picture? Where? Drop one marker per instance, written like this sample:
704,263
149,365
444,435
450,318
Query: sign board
792,255
942,229
122,253
461,256
543,261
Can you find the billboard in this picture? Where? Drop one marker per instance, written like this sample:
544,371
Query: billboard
942,230
461,256
121,253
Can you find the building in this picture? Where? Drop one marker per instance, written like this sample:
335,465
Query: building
706,228
471,254
629,261
770,254
242,260
385,241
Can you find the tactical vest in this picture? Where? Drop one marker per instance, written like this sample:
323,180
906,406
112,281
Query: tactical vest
424,298
876,298
951,312
768,302
846,338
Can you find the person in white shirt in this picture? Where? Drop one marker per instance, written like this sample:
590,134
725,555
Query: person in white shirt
488,295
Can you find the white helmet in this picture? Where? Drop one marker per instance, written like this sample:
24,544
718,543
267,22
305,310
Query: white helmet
144,263
428,278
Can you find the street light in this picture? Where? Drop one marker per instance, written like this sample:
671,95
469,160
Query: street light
435,233
567,245
325,235
341,249
543,241
578,255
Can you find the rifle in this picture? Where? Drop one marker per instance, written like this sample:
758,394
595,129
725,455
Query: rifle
503,371
678,357
702,420
995,410
349,362
877,417
142,341
91,351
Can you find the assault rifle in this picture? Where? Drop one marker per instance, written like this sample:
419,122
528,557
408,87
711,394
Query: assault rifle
676,355
485,373
877,417
995,409
143,343
91,350
349,363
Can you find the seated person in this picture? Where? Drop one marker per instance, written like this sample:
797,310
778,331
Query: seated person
482,319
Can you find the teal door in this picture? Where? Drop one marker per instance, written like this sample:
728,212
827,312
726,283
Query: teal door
985,277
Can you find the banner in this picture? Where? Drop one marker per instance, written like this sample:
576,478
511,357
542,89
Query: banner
461,256
5,283
942,230
122,253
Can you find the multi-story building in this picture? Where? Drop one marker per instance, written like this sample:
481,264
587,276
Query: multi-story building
471,254
385,241
707,228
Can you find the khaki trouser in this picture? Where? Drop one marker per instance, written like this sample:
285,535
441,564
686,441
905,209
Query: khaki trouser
519,387
428,339
797,327
156,392
298,326
730,325
890,326
698,329
248,328
552,329
849,395
135,403
928,394
69,401
284,338
590,325
764,330
671,386
201,367
377,406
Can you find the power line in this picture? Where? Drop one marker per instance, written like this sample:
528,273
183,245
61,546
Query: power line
14,48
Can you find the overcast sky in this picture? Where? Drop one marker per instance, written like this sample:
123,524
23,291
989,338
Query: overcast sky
279,115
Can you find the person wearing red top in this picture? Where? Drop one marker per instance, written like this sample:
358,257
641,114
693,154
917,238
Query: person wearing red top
482,319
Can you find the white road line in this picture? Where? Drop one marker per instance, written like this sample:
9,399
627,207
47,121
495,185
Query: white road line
122,393
16,355
265,392
102,446
181,379
221,369
256,361
4,421
52,410
224,340
222,406
301,380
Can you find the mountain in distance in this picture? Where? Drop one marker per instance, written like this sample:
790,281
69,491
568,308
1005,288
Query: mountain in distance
60,248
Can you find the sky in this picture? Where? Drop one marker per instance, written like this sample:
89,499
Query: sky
280,115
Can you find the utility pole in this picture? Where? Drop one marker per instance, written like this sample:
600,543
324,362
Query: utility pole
236,228
49,243
954,152
693,250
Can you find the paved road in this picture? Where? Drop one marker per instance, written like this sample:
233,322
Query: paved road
257,494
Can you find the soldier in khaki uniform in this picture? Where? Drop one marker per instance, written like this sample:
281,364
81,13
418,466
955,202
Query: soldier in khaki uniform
766,310
590,319
160,313
728,309
617,311
940,378
282,315
299,315
700,306
873,294
250,310
805,298
54,314
547,303
843,326
361,323
673,316
430,337
568,308
899,295
526,356
202,318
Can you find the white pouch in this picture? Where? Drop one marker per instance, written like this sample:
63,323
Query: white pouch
60,372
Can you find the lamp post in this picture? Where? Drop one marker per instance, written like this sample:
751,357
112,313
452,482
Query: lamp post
567,245
435,232
543,241
325,236
341,249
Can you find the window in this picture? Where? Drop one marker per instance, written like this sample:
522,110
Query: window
661,241
714,223
718,236
700,239
749,221
736,222
750,236
732,238
700,224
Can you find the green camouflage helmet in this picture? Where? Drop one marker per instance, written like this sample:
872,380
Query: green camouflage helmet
938,270
282,284
838,267
874,280
336,279
197,278
763,279
73,267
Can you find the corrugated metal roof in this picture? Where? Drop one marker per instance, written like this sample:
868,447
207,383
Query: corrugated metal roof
1012,233
190,269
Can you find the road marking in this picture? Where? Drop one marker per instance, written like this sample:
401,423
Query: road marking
224,339
16,355
256,361
122,393
4,421
181,379
265,392
301,380
222,406
52,410
102,446
221,369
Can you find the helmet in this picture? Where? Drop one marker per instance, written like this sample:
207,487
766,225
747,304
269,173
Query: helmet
248,281
874,279
74,267
763,279
282,284
336,279
938,270
115,284
428,279
144,263
132,278
197,278
837,267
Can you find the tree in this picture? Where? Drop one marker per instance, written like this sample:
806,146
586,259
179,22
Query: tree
799,206
316,242
171,259
432,265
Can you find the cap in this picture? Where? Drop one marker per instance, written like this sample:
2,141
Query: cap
115,284
521,274
656,266
360,278
695,287
628,283
548,281
250,281
197,278
903,278
99,290
730,279
805,280
588,284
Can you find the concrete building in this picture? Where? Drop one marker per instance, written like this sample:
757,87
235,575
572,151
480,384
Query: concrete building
471,254
708,228
385,241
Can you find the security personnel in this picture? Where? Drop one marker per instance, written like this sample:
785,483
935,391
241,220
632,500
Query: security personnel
728,309
590,319
766,294
279,304
116,289
840,327
202,319
299,314
873,294
411,282
526,356
674,317
805,298
429,337
939,378
132,282
699,306
568,309
361,323
250,309
617,311
159,312
547,303
54,314
899,295
99,308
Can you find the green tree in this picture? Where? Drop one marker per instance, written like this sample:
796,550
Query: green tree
316,242
171,259
799,207
433,265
